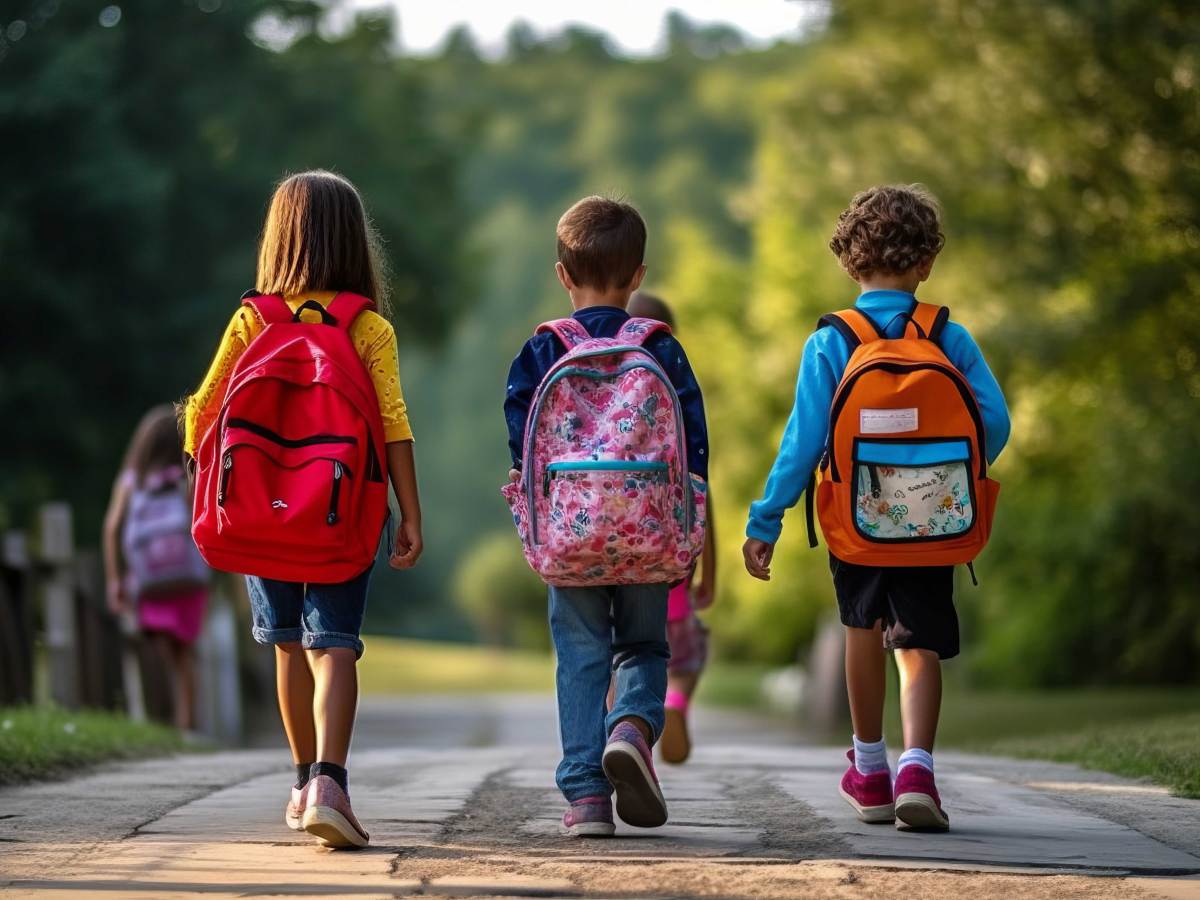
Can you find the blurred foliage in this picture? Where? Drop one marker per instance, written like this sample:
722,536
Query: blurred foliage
505,600
139,145
1061,138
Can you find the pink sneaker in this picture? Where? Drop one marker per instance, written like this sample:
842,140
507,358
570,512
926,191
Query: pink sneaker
870,795
589,817
328,816
917,802
294,814
630,768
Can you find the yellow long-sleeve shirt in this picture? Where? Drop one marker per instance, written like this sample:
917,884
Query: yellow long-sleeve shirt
372,335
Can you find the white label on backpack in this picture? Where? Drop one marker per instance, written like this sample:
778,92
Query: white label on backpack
887,421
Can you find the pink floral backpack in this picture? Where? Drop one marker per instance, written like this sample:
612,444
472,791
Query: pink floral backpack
605,495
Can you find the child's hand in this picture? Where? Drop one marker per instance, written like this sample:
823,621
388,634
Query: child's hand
702,595
514,474
118,599
408,546
758,558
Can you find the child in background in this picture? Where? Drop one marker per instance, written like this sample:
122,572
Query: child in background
621,628
150,561
318,242
887,241
686,633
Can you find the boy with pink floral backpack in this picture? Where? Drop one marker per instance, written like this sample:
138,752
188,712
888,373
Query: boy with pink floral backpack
610,452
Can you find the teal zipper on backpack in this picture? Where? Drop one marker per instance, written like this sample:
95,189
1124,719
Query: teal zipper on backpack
621,465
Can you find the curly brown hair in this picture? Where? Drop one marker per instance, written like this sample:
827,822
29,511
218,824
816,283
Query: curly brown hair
888,230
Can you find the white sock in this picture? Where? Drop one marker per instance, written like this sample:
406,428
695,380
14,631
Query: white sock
870,758
915,756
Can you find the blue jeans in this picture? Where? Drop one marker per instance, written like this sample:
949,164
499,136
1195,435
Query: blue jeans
319,616
596,631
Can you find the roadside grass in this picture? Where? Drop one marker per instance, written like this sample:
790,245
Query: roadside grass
400,666
45,742
1165,749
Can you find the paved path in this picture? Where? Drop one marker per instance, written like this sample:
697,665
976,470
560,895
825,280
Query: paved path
466,805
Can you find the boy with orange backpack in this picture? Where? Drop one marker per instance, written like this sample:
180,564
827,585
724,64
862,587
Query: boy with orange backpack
904,416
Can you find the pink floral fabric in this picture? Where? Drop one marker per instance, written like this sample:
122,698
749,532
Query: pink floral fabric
605,496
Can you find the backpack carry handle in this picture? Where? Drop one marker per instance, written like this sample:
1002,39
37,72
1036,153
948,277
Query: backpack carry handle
326,317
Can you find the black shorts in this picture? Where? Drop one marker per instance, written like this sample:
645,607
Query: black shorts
915,604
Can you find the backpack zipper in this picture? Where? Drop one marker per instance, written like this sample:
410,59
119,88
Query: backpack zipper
276,438
959,382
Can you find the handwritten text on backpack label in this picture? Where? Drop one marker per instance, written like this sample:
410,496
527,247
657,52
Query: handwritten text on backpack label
887,421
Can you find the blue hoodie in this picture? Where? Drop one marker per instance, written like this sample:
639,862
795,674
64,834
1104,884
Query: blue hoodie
826,354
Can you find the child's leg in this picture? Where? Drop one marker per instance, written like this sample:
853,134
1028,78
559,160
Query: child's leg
294,686
920,696
866,681
640,655
334,701
581,630
332,621
183,660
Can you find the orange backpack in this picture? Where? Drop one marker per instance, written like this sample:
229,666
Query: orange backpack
903,481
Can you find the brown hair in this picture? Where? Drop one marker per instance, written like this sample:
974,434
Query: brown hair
650,306
155,443
318,237
888,230
601,242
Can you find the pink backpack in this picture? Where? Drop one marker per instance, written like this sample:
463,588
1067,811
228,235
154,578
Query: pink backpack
605,495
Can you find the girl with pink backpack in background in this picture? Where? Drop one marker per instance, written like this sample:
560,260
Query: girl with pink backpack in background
150,561
610,454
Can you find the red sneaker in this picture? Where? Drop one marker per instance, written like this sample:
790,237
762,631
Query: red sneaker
917,802
870,795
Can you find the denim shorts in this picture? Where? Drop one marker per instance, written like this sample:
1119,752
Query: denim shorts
318,616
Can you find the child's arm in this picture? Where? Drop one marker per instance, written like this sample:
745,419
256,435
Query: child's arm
961,349
114,564
402,467
524,375
201,407
825,356
703,595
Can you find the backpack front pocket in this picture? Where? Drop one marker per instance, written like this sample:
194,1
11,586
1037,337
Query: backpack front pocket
606,512
912,490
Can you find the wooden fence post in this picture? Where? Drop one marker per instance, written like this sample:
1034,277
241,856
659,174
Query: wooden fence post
16,620
56,547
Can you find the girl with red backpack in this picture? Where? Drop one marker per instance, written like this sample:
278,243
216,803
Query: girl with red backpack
296,430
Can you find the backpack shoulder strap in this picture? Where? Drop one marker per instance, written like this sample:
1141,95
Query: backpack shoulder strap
270,308
927,320
853,325
568,331
636,331
346,306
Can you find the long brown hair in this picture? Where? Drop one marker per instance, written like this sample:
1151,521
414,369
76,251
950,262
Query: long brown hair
318,237
155,443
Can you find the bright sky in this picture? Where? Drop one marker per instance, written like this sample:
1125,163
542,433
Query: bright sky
635,25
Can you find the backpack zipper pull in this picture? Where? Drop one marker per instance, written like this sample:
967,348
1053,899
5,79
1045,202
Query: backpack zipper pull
971,569
546,482
226,468
332,518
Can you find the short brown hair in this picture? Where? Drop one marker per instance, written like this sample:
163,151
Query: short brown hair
317,237
888,230
601,242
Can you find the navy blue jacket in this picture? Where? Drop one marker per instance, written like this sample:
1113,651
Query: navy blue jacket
542,351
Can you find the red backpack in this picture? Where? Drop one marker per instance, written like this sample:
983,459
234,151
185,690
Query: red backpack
290,481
